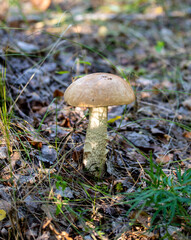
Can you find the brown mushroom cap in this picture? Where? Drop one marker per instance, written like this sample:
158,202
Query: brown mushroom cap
99,90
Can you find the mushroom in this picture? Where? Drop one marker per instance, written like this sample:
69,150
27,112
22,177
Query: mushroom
97,91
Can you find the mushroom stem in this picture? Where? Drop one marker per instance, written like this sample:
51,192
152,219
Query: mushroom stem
96,141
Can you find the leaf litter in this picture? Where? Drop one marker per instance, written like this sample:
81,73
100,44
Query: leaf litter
44,189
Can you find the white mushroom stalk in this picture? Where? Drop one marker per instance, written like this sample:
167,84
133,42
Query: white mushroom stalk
97,91
96,141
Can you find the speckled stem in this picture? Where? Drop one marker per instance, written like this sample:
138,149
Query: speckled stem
96,141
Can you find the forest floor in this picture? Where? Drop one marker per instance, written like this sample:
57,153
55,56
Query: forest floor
145,191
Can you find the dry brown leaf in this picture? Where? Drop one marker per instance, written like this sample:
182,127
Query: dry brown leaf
35,142
58,93
65,123
187,135
164,159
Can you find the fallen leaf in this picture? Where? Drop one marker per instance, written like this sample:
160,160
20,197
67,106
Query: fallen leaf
112,120
2,214
187,135
65,123
156,131
164,159
140,140
58,93
35,142
27,47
